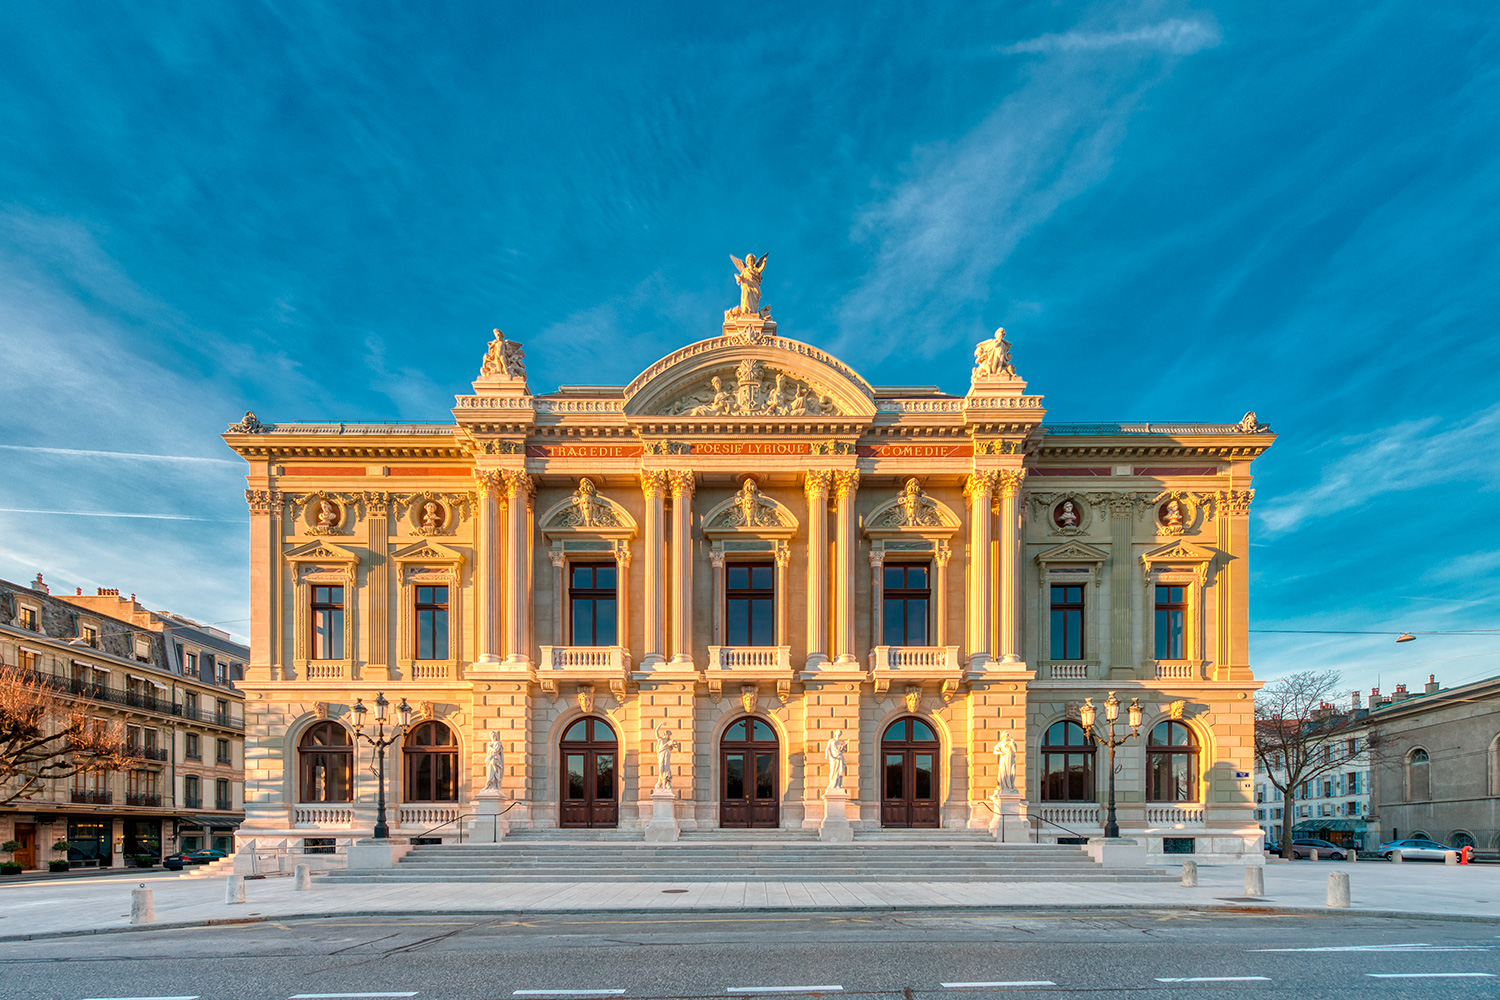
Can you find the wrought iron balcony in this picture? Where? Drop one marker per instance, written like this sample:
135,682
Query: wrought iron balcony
91,797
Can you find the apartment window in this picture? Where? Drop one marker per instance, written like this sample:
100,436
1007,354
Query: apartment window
1171,622
1327,788
1260,793
328,623
1067,764
27,659
141,788
1351,747
1276,813
221,752
432,623
750,602
222,797
1260,814
908,595
90,634
191,747
592,604
1351,808
1172,763
221,671
192,790
190,704
190,665
27,619
142,649
1067,622
221,707
1351,781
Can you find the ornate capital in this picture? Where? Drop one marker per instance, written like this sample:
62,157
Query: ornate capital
980,484
845,483
1010,481
378,504
1234,503
654,483
489,483
682,483
815,484
1122,505
517,484
263,503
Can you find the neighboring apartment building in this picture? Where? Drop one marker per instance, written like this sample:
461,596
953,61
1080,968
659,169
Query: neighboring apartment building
1334,806
170,683
809,580
1437,769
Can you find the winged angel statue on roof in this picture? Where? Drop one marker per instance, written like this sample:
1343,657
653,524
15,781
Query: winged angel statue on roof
748,278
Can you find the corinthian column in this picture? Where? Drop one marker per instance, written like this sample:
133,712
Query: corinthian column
1010,565
681,484
518,566
978,488
815,485
845,484
654,486
488,485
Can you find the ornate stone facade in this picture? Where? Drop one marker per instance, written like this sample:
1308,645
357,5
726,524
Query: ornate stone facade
851,559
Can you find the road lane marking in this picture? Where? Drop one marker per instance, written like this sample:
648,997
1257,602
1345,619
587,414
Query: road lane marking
985,986
338,996
193,997
1431,975
786,989
1391,948
566,993
1216,979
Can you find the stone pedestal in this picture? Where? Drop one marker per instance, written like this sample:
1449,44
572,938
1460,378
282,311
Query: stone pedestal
1008,817
1117,852
663,826
373,854
486,826
835,828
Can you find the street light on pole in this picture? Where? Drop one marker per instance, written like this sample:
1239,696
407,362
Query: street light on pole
1111,714
380,741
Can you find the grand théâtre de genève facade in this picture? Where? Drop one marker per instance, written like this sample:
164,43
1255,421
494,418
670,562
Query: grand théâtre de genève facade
751,547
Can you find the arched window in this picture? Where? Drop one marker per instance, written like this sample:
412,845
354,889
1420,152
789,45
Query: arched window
1067,764
430,754
1494,765
326,771
1459,839
1172,763
1418,779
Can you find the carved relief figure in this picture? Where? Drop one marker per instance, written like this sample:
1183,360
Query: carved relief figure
432,517
1005,763
494,763
248,425
1067,515
664,747
747,277
753,391
992,358
504,357
328,517
751,510
834,750
1171,516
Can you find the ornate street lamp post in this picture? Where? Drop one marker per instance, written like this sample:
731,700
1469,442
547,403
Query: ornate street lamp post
1111,713
380,741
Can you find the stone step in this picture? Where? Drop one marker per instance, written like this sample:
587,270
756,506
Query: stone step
1091,876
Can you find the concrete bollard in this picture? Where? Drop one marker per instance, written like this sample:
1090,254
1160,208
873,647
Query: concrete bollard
1351,855
1450,857
1338,890
1255,880
1396,857
142,907
1190,873
234,889
1312,854
301,878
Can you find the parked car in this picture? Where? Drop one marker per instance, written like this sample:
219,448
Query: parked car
176,862
1302,847
1414,849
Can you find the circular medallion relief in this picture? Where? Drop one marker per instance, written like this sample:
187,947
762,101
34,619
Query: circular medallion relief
1068,515
431,516
1172,515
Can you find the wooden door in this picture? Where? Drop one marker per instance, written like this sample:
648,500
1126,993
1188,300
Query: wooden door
909,775
750,776
26,835
589,755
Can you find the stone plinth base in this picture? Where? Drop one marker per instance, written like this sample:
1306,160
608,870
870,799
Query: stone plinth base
371,853
485,825
1008,817
1117,852
663,826
835,828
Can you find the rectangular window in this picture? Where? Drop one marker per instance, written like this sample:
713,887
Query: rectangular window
908,595
432,623
90,635
1171,622
221,671
591,604
190,704
192,790
221,752
750,603
328,623
190,665
1327,788
191,749
222,798
1067,622
27,619
1352,781
221,708
27,659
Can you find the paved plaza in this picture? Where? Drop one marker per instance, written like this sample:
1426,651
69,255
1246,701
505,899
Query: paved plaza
68,906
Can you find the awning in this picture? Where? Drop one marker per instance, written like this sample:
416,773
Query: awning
209,822
1309,825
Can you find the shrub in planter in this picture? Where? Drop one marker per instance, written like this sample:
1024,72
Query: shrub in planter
61,847
10,869
144,860
57,866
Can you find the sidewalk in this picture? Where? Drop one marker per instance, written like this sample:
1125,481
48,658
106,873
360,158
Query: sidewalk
74,906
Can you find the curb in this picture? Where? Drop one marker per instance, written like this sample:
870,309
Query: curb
1020,912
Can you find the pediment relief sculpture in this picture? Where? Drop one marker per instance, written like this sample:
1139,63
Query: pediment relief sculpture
912,509
749,509
586,509
754,390
1072,551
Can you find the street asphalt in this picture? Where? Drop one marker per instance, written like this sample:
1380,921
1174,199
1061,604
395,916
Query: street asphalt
722,955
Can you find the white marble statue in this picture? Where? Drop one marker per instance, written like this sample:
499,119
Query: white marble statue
748,278
992,358
1005,763
664,747
494,763
1174,516
328,514
1068,516
432,516
834,750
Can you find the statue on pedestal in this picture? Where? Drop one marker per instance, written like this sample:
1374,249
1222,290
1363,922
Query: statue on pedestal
494,763
992,358
834,750
664,747
748,278
1005,754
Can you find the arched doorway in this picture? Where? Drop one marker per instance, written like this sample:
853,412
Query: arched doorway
590,758
909,774
750,775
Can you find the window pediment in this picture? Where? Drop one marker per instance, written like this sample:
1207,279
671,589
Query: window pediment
587,512
1178,555
1073,552
911,512
750,512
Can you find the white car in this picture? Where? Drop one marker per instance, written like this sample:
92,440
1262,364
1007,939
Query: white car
1414,850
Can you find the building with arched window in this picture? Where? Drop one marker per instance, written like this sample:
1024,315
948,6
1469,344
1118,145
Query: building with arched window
807,579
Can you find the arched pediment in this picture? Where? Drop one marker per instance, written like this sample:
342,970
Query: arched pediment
769,377
912,510
750,512
588,512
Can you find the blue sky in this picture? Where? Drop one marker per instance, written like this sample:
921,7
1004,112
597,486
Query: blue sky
1180,211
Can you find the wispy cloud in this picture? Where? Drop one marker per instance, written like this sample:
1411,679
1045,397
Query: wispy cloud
1406,456
126,456
113,513
1177,36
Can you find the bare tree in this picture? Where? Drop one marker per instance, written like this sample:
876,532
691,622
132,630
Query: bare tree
1300,736
45,736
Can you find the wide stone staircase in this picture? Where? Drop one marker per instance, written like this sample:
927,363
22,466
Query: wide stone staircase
749,856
